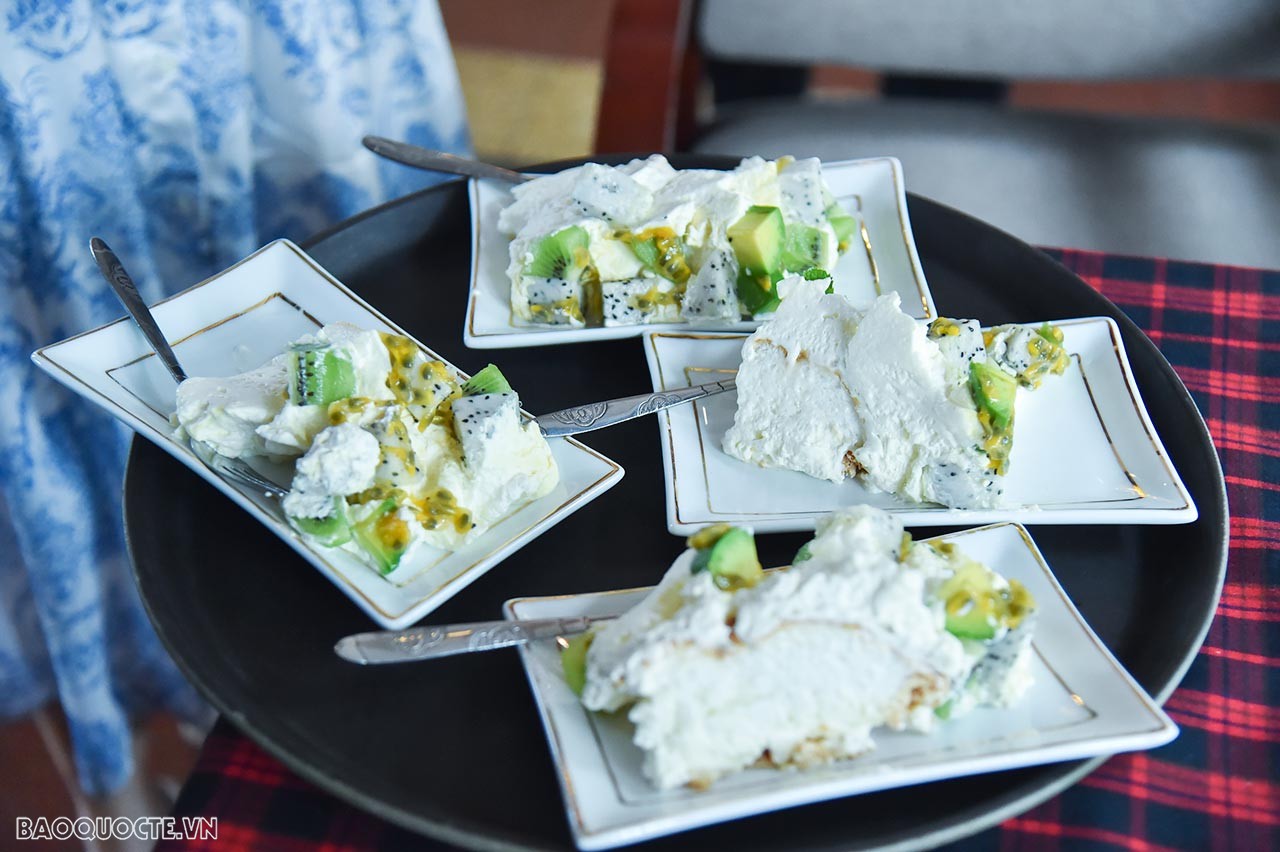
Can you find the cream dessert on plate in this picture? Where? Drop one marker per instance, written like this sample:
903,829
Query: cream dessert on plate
922,411
724,666
647,243
396,456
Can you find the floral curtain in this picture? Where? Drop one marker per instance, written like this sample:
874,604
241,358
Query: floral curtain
186,133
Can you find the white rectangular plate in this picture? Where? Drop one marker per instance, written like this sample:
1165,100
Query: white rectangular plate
1084,449
238,320
1082,703
884,261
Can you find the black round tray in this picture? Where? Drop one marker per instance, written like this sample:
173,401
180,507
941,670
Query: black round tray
454,749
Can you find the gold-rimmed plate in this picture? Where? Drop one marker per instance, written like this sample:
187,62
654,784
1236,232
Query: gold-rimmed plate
238,320
1085,450
882,260
1081,703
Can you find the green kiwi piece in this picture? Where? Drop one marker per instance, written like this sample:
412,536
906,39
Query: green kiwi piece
332,530
319,375
573,659
561,256
844,225
488,380
384,540
647,252
805,247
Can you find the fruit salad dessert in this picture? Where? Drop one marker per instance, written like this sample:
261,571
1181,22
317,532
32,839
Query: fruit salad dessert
724,666
646,243
396,456
925,412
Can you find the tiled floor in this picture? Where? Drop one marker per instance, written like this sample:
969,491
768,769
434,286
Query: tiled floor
37,778
34,782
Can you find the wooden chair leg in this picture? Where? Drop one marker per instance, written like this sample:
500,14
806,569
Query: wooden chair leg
646,77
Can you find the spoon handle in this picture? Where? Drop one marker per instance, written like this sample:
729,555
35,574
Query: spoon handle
597,415
429,642
438,161
113,271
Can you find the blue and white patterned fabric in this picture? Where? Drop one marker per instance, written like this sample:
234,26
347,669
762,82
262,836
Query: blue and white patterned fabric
186,133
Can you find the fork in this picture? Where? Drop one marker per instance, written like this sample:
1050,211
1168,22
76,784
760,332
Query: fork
113,270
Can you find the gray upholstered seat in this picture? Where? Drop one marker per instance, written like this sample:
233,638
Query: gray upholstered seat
1183,189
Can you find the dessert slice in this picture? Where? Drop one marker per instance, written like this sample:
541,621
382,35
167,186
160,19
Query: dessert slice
399,457
724,666
926,414
714,243
403,485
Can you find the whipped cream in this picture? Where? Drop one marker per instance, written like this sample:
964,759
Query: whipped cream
798,669
839,392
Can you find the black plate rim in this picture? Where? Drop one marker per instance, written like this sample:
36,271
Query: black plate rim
953,828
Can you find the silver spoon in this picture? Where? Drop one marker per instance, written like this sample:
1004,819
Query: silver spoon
445,640
113,270
438,161
598,415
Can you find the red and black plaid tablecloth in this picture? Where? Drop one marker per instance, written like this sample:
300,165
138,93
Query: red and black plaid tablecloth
1215,787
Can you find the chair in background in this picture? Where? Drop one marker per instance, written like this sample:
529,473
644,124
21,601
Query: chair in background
1191,189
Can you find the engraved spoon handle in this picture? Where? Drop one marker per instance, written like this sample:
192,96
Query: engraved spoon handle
597,415
438,161
113,270
445,640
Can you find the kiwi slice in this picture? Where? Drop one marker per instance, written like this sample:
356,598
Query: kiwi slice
573,659
805,247
319,375
332,530
384,536
488,380
844,225
562,256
